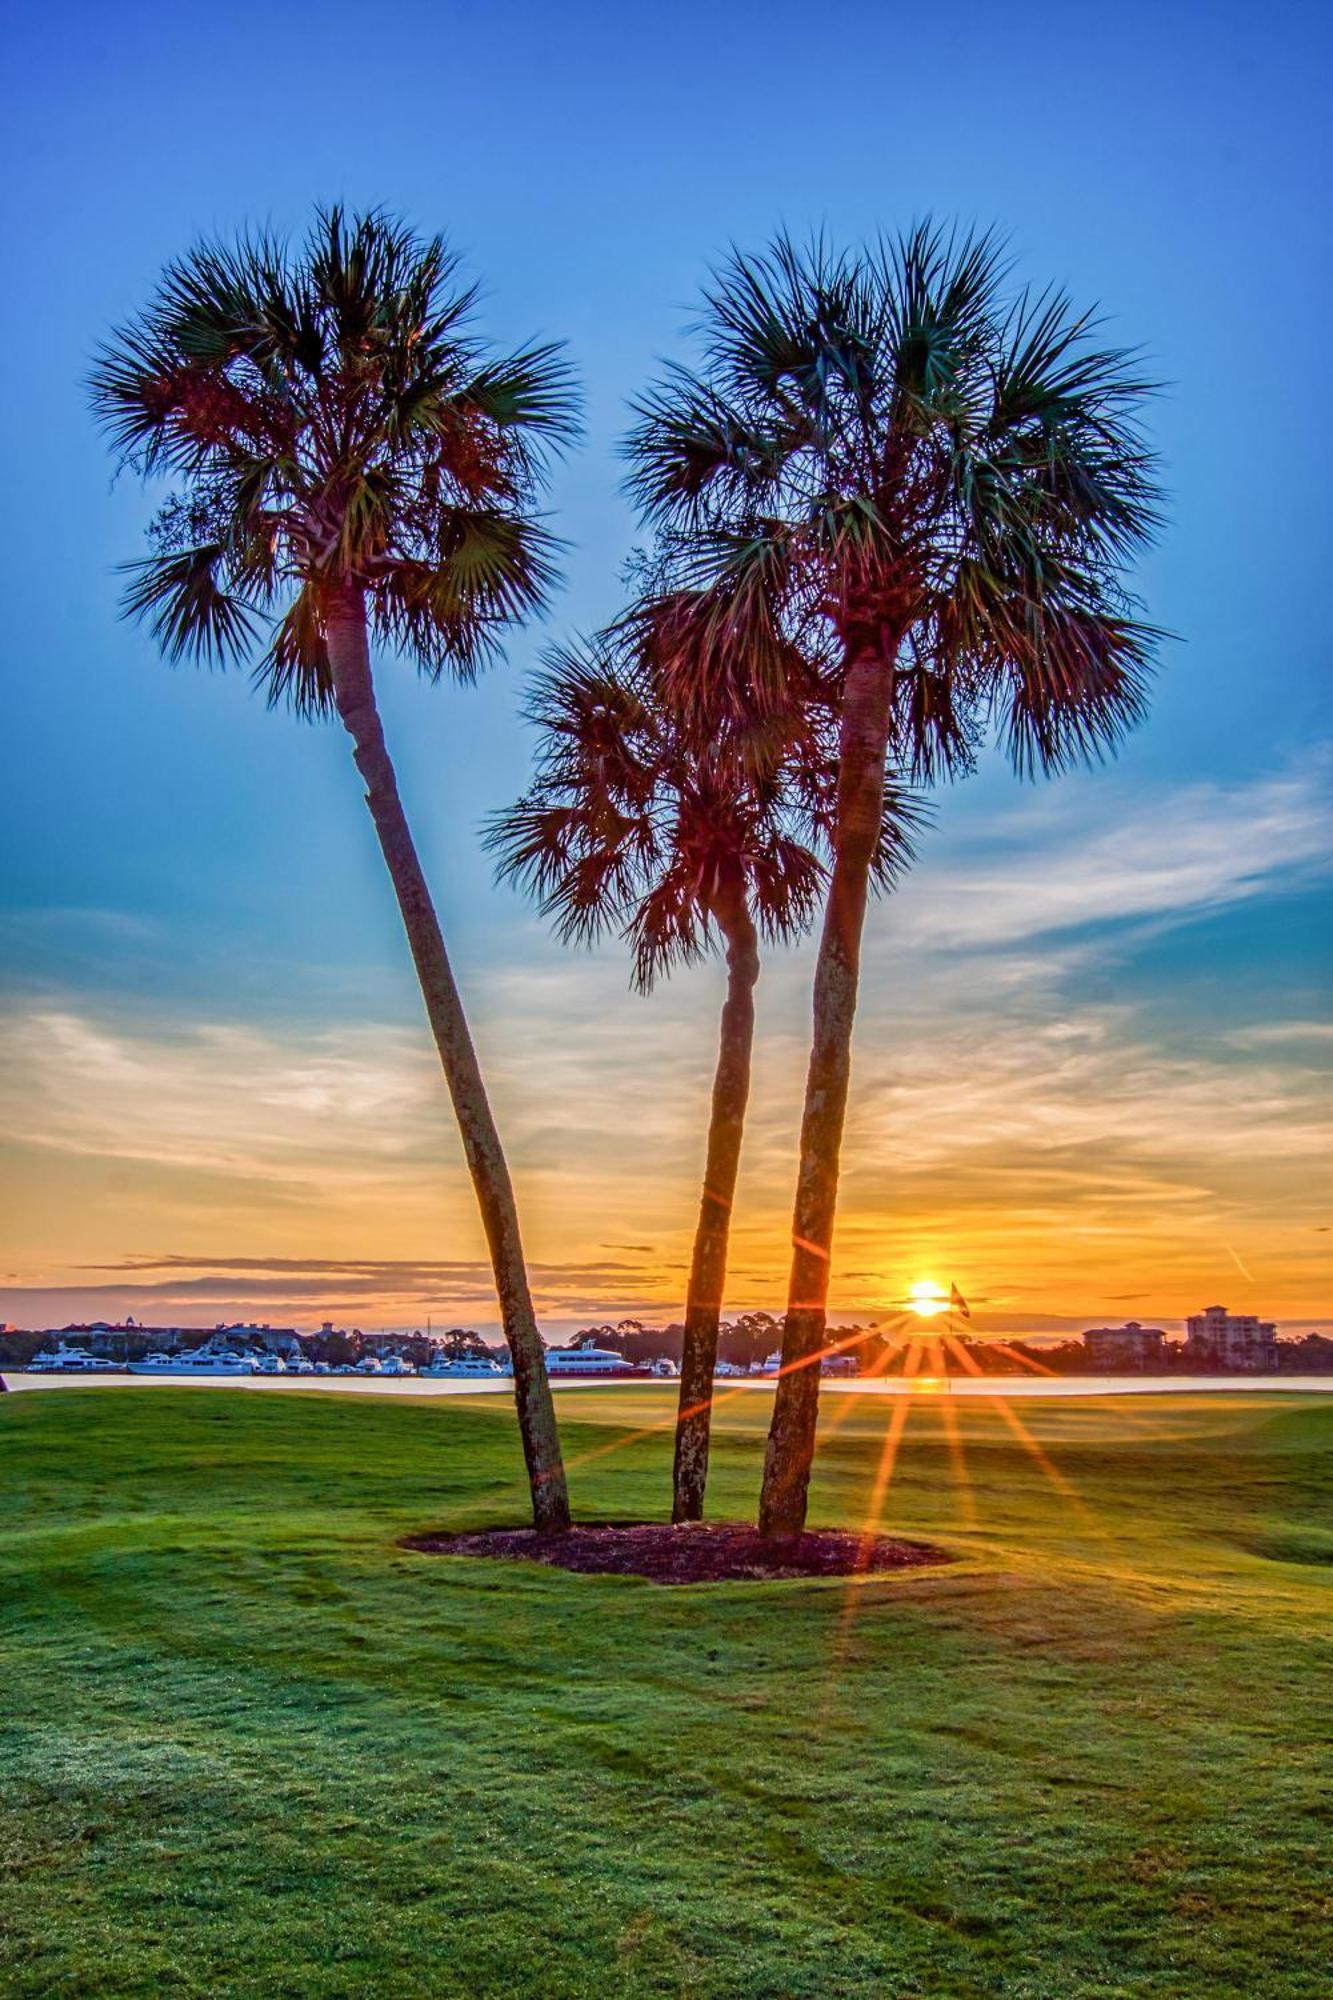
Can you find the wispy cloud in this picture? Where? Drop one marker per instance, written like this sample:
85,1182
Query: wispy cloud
1048,1153
1315,1036
75,1083
1058,868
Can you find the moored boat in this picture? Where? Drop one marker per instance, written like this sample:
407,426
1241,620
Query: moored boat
586,1361
461,1366
196,1361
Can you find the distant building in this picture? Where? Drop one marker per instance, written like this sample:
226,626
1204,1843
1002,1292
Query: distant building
1128,1346
1216,1338
382,1344
117,1343
280,1340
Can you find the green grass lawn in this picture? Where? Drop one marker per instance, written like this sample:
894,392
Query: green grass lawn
250,1746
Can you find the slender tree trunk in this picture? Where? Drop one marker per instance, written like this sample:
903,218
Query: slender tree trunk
708,1269
867,705
354,692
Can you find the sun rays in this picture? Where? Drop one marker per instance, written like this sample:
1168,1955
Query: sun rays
930,1358
940,1349
966,1495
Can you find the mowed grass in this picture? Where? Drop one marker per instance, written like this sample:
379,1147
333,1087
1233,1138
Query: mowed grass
251,1747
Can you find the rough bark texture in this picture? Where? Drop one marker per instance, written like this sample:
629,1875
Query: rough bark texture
708,1268
354,692
791,1439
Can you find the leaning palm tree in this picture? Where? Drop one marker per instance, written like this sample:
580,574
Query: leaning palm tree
683,834
347,458
893,456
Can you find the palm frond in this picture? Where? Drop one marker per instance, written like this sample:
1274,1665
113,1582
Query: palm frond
533,392
295,670
667,928
189,612
1074,688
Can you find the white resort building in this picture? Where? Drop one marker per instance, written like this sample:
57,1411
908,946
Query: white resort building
1128,1346
1216,1338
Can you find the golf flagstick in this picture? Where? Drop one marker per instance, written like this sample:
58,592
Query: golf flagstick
959,1303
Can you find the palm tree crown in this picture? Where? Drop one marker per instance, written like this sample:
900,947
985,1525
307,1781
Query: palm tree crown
646,819
327,417
893,453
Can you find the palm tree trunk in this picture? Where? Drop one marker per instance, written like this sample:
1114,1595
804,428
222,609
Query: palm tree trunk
354,692
867,707
708,1269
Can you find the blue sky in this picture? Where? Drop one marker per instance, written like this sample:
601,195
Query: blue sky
181,867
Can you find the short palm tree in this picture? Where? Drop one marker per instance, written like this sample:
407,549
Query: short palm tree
892,456
347,459
683,833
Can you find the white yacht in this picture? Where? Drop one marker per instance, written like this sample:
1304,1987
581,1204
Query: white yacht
452,1366
218,1361
65,1361
394,1364
196,1361
586,1361
268,1364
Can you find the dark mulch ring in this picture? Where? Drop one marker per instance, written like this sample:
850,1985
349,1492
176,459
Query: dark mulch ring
702,1552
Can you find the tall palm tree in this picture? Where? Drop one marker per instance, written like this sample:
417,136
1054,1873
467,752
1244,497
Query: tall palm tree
683,833
347,457
944,482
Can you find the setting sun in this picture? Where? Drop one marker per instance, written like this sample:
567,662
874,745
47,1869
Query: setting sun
926,1299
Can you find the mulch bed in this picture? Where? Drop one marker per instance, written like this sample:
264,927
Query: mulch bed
703,1552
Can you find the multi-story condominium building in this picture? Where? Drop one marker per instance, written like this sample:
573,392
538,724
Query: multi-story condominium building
1129,1346
1216,1338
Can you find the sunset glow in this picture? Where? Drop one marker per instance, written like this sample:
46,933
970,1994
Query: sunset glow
1092,1033
666,1002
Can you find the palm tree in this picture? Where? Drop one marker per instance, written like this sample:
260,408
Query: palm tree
349,458
895,456
684,834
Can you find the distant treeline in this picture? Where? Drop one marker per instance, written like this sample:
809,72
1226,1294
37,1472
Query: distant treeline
1300,1354
752,1337
744,1342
